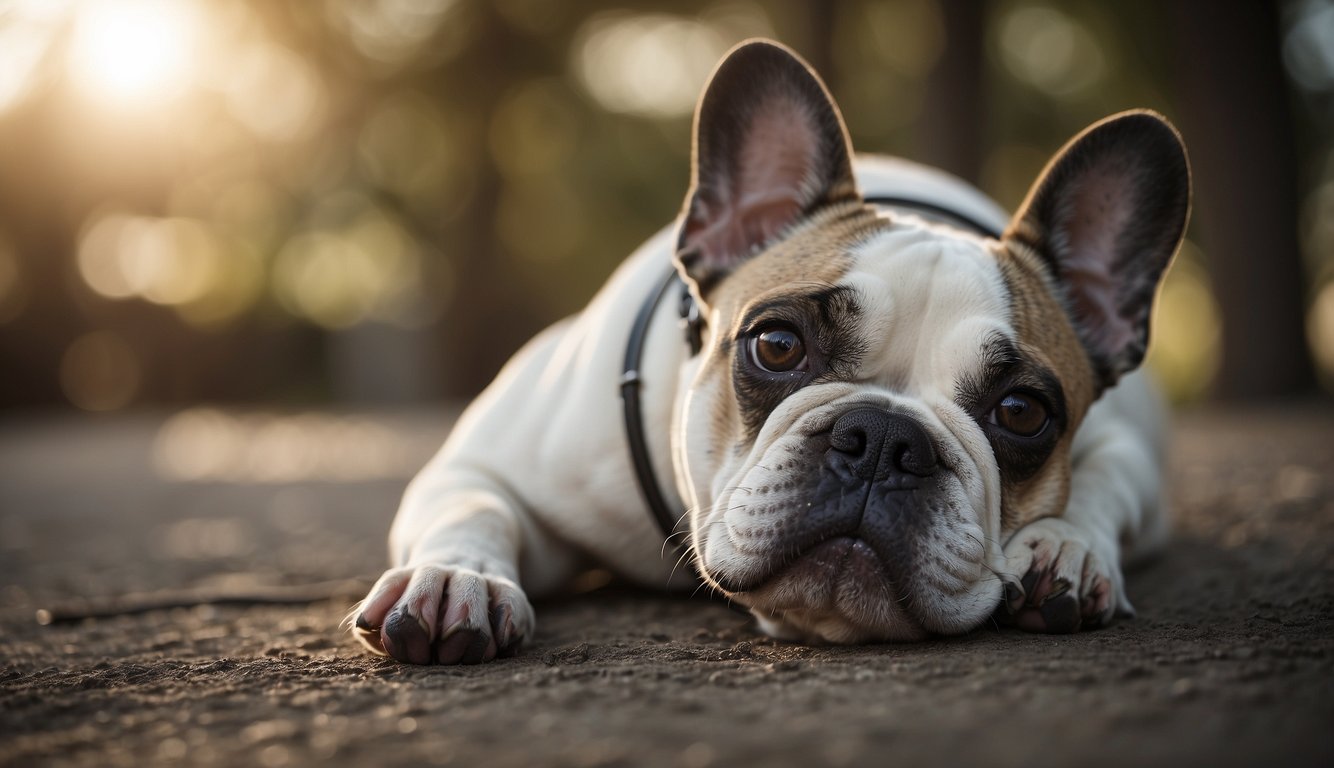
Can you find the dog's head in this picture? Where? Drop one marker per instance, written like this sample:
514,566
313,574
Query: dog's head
879,403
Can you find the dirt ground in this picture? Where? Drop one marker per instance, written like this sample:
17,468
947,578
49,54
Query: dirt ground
1230,661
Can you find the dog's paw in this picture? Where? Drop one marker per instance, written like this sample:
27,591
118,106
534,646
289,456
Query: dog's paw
1058,580
443,615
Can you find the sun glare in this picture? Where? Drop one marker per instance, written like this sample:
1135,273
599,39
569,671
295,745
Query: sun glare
133,51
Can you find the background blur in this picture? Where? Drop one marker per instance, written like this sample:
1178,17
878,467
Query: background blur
374,202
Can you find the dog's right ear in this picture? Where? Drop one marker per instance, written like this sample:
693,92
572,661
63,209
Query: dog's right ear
1106,217
770,148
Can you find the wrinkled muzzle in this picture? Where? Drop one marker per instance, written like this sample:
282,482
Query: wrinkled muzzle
868,533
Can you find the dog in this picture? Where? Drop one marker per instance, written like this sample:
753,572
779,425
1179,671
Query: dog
895,412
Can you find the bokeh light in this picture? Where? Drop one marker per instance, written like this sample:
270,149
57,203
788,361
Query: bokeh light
129,52
27,28
391,32
274,93
105,260
177,262
1051,50
205,444
1308,50
1185,344
650,65
1320,329
358,263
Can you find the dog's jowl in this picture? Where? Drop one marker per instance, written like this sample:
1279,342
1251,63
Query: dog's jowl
897,410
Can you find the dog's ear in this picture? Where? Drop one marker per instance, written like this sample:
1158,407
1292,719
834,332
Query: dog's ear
770,148
1107,216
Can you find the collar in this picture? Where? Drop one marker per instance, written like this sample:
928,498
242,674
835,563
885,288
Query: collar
692,326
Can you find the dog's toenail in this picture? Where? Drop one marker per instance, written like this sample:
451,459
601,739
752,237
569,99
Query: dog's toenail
1061,614
453,629
461,646
476,650
1058,588
1029,581
407,637
502,624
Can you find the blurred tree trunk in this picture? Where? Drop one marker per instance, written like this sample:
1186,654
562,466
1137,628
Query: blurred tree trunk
949,133
817,47
1240,133
489,319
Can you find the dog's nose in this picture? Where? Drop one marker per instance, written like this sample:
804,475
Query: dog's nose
877,443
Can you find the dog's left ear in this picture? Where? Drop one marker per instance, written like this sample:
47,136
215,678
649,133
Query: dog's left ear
770,148
1107,216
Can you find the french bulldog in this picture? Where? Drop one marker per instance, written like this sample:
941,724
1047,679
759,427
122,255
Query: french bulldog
895,421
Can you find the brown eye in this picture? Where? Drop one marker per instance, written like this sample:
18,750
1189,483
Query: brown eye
1020,414
778,349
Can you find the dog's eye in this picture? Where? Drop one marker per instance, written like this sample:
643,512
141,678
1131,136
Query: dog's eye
1021,414
778,349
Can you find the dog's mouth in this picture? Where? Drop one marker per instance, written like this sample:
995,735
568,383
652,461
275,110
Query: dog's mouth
833,561
838,590
828,561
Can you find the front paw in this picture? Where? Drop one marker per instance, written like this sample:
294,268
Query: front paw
444,615
1059,580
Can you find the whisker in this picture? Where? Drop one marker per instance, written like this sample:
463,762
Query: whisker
675,534
663,551
685,553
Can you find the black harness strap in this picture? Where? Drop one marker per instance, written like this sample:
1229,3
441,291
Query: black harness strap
632,377
939,211
631,382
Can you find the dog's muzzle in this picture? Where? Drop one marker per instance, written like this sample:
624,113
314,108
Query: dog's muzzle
877,480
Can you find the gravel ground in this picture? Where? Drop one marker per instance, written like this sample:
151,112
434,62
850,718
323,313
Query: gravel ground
1228,663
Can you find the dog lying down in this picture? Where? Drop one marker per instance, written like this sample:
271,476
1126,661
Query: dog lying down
895,411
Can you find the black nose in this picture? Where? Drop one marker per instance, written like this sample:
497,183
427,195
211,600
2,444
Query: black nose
878,443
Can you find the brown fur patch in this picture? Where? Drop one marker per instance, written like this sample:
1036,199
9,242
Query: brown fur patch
1044,335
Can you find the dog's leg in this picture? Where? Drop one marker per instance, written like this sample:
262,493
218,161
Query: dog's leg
1068,568
460,543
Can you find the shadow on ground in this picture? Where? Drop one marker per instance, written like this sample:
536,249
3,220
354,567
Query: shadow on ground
1228,663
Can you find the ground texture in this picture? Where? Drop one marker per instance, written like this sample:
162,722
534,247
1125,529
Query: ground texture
1230,662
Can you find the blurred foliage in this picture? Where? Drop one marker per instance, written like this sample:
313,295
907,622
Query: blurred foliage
379,200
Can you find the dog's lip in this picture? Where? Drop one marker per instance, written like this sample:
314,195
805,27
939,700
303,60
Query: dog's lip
835,555
827,559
